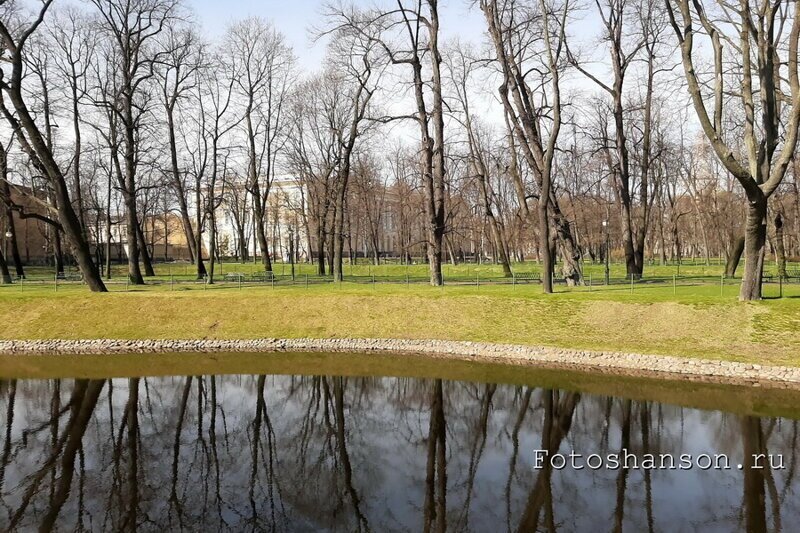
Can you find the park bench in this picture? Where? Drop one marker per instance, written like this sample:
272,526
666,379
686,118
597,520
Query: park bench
262,276
69,276
234,276
793,273
528,277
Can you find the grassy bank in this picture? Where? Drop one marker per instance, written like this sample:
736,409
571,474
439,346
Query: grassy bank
696,321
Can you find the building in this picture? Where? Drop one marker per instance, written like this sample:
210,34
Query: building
35,238
286,219
164,235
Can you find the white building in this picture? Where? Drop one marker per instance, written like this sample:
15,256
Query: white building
285,213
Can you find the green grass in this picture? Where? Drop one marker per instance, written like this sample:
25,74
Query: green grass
690,320
487,271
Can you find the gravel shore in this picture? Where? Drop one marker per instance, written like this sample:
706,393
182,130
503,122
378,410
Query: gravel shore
606,362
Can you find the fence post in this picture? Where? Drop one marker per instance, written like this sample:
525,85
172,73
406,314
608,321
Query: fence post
240,281
55,281
171,282
306,281
633,280
674,284
590,282
780,286
127,281
721,284
477,279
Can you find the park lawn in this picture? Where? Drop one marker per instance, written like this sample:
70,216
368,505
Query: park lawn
696,321
183,271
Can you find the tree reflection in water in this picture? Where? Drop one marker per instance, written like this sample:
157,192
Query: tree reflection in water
290,453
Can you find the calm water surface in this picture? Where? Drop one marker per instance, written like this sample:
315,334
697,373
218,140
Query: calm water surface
312,453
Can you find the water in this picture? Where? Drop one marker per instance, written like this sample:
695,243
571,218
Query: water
305,452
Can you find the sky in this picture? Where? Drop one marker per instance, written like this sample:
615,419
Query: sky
458,19
294,19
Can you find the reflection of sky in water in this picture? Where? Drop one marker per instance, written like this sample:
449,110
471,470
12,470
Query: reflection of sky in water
301,480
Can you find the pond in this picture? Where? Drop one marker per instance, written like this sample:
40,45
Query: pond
288,443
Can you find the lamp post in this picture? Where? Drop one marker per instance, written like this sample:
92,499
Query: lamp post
8,235
608,248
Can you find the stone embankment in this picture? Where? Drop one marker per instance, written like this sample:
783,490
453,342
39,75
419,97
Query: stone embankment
604,362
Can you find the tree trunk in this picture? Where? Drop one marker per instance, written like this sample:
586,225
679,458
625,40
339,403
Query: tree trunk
436,235
338,230
242,243
261,234
132,238
76,160
144,253
186,222
5,275
735,256
58,252
5,191
198,243
212,241
309,247
494,224
108,226
546,252
754,249
628,244
571,270
320,250
780,248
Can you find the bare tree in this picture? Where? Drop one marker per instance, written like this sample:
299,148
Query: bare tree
314,151
216,87
523,31
265,66
761,38
15,36
409,36
132,27
176,71
461,69
352,60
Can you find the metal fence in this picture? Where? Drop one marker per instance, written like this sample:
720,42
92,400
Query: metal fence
240,281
